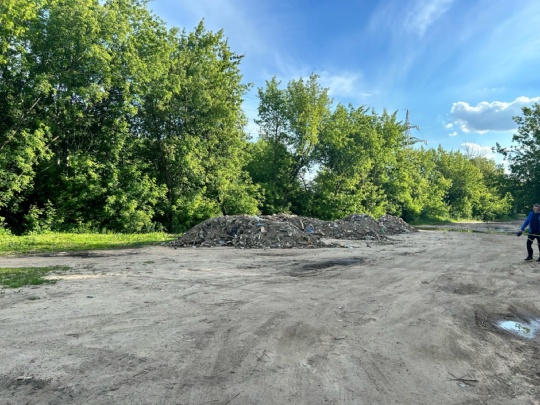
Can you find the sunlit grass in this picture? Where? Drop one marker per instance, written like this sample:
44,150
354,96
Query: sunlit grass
59,242
15,277
460,221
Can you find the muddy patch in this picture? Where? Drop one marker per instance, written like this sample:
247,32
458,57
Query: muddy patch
90,254
465,289
324,267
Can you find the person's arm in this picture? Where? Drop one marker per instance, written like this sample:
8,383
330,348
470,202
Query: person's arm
527,221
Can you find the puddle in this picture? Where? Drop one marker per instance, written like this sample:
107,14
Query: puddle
529,330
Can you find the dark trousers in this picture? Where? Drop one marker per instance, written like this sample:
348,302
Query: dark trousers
530,241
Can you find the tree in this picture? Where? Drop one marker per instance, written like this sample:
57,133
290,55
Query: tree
98,59
111,121
192,125
523,157
474,192
347,157
71,90
416,189
23,138
357,154
290,122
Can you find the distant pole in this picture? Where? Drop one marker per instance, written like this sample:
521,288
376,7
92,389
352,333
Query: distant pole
407,127
409,140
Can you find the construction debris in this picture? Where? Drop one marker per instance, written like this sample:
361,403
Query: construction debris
288,231
394,225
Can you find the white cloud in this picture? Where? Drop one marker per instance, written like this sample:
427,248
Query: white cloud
475,149
346,85
425,13
493,89
340,84
453,134
489,116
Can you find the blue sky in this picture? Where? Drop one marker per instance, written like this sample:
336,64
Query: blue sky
462,68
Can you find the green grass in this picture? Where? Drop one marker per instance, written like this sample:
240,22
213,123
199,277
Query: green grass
457,221
60,242
15,277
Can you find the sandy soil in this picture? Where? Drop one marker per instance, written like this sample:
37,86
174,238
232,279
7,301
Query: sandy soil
413,320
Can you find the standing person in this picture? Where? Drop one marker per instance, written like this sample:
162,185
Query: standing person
533,221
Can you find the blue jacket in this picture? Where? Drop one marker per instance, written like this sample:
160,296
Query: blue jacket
528,222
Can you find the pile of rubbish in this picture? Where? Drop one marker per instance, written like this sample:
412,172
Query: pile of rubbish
288,231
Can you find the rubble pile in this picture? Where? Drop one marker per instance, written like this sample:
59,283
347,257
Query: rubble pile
244,231
287,231
395,225
354,227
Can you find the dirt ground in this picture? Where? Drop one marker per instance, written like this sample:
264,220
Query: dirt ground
414,319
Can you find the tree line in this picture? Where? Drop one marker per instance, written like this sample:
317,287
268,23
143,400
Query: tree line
110,121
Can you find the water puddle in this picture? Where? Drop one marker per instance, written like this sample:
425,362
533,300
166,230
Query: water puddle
528,330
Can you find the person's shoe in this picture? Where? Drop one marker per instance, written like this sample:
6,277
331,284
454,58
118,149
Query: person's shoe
528,258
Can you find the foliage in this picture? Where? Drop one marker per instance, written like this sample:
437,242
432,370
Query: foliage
523,158
113,122
23,138
470,195
416,189
191,120
355,148
290,121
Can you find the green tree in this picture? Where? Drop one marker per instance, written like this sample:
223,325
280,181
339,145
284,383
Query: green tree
72,89
523,158
416,189
23,138
290,122
347,156
357,155
495,201
99,59
473,193
270,158
192,123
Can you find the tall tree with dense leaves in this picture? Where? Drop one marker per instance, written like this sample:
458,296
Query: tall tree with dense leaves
192,123
347,157
290,122
99,58
81,69
523,158
416,190
23,136
271,158
357,152
471,195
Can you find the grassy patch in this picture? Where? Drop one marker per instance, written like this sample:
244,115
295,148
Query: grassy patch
15,277
59,242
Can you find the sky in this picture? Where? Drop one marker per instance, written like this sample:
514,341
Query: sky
462,68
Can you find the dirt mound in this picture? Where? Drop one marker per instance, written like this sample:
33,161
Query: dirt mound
287,231
394,225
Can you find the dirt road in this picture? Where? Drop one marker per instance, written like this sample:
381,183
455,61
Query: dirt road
414,320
